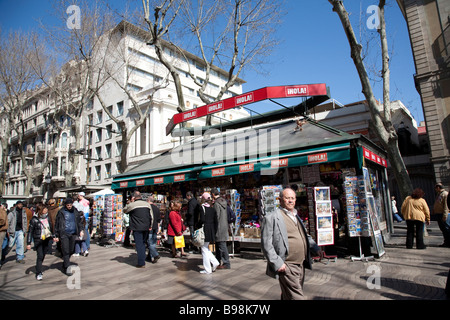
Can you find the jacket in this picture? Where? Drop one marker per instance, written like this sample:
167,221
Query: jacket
141,215
192,212
35,230
52,212
440,205
275,245
175,226
415,209
3,220
12,216
220,205
60,223
208,219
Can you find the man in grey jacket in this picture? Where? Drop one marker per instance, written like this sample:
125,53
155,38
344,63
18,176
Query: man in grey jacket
18,226
286,247
220,205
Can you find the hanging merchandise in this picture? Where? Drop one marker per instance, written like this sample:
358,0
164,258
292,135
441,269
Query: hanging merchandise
108,216
235,204
324,216
353,206
270,198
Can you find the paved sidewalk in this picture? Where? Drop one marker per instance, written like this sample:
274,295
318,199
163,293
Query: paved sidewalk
109,274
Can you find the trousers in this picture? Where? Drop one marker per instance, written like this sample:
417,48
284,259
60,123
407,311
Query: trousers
291,282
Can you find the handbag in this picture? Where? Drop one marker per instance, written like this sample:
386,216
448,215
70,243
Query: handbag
179,242
198,237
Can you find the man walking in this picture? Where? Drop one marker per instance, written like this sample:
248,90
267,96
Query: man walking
220,205
141,217
153,236
192,215
440,213
17,221
285,245
68,226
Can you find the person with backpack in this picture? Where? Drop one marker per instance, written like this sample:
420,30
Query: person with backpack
221,207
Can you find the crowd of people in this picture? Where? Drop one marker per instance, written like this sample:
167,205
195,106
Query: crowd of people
65,231
211,213
51,229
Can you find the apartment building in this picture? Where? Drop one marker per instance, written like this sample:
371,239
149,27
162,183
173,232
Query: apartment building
428,24
142,81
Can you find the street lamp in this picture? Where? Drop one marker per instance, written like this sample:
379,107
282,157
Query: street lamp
48,180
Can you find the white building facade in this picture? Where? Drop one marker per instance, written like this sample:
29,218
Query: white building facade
140,72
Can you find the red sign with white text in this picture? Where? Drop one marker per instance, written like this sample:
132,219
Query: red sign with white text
307,90
372,156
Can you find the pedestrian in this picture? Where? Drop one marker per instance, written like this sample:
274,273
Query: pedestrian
286,247
68,226
221,207
153,255
40,231
17,228
192,216
416,212
83,205
80,242
52,211
440,213
395,210
141,218
175,227
208,219
3,229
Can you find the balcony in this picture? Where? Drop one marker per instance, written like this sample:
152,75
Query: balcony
441,48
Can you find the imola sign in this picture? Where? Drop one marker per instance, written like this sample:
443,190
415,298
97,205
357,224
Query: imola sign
302,90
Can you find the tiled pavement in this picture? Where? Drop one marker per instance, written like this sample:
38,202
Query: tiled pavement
109,274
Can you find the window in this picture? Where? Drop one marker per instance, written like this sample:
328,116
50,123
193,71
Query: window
108,149
108,170
110,110
64,140
99,117
98,152
120,108
63,166
97,173
118,148
98,135
108,131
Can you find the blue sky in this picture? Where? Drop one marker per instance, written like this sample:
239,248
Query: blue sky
313,49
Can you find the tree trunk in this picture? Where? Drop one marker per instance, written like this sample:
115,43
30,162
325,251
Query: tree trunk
381,122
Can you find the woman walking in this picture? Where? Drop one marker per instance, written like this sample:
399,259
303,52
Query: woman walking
208,219
41,231
416,212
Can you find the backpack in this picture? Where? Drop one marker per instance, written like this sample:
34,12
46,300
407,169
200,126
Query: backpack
231,215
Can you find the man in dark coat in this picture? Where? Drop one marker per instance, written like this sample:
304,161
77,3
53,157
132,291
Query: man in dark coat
221,206
141,217
192,215
68,226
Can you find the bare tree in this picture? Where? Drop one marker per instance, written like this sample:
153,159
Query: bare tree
21,54
230,34
380,115
76,85
118,68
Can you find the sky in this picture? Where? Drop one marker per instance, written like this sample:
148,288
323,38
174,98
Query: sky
313,49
